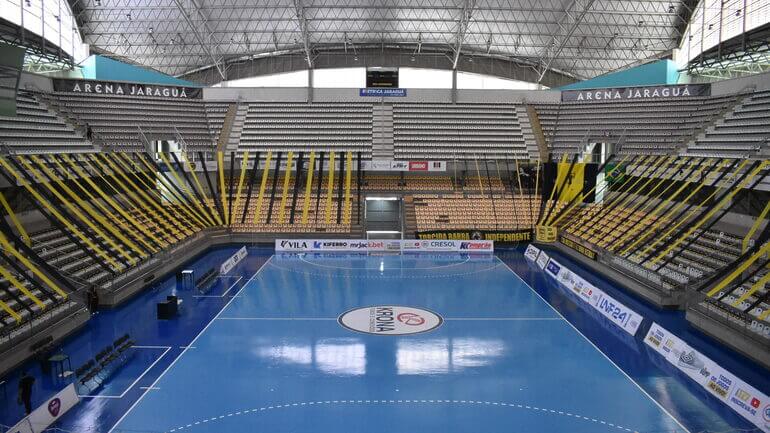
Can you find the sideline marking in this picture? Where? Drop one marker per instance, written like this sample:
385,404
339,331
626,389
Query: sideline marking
540,410
492,319
167,348
276,318
595,347
192,343
224,293
302,258
383,276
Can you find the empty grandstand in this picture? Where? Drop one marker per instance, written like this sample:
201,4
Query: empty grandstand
317,216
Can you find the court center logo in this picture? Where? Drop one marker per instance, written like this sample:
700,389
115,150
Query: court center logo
390,320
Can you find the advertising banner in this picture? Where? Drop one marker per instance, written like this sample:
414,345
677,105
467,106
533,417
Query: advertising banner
542,259
617,313
491,235
545,234
126,89
413,166
531,252
591,254
372,245
646,92
47,413
383,92
743,398
230,263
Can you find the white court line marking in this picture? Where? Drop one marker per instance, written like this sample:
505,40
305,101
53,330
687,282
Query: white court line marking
149,387
276,318
302,258
223,294
542,411
595,347
167,348
504,319
380,277
192,343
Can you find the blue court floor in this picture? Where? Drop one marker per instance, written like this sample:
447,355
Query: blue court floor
276,360
262,351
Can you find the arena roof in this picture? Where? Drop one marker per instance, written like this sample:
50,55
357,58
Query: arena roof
548,41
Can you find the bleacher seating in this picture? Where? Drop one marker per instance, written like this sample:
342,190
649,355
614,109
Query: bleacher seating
655,126
457,131
458,211
339,127
117,120
37,129
744,132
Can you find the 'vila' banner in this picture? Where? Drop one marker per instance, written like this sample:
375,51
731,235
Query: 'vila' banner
127,89
649,92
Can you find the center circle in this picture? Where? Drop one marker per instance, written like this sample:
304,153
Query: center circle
390,320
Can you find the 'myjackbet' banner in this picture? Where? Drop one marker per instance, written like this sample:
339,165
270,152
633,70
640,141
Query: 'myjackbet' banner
725,386
619,314
648,92
230,263
126,89
491,235
385,245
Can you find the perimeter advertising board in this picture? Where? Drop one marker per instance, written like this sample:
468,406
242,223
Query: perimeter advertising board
743,398
48,412
609,307
374,245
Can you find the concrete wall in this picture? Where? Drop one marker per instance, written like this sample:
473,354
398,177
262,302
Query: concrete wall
727,87
256,94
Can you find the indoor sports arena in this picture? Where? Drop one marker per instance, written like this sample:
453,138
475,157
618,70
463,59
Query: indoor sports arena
522,216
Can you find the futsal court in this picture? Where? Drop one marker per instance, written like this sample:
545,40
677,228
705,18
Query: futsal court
277,359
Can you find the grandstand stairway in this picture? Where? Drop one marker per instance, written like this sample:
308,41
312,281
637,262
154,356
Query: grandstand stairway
728,112
530,129
382,132
410,218
236,128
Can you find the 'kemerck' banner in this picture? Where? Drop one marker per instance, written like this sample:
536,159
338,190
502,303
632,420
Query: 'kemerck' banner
650,92
126,89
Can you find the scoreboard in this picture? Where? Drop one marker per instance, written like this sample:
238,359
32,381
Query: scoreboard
382,77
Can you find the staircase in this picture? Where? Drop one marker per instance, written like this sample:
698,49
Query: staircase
526,131
718,119
224,142
54,107
382,132
541,150
237,128
410,218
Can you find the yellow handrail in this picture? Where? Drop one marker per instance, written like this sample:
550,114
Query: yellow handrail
83,175
203,219
330,189
308,188
14,219
285,190
90,211
182,205
13,251
262,186
739,269
222,192
19,285
209,205
65,221
348,176
244,169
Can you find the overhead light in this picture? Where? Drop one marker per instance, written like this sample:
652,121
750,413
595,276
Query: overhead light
355,58
151,30
738,13
411,58
128,15
671,9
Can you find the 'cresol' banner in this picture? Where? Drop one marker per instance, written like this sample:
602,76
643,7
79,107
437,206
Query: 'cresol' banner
740,396
617,313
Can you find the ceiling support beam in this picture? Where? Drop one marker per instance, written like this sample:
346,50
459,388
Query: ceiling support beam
573,16
303,28
462,28
205,41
